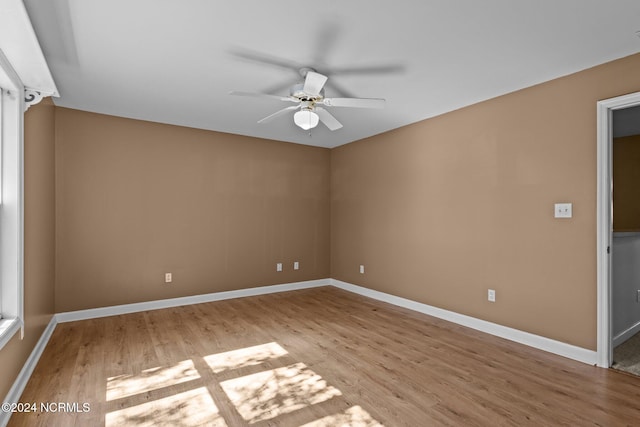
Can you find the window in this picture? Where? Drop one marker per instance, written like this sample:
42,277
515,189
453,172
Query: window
11,201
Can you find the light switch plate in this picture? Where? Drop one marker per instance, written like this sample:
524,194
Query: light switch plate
563,210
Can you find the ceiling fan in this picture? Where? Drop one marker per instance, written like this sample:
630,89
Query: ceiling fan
310,100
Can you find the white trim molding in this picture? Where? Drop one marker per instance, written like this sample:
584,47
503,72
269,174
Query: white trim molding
27,369
8,328
605,110
94,313
526,338
12,194
32,97
20,44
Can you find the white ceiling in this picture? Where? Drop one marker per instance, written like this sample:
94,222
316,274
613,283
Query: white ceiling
174,61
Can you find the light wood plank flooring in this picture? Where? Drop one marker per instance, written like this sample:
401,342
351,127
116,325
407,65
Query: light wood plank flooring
316,357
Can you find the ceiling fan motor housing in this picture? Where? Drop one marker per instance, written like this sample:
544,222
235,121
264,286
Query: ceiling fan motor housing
307,105
297,91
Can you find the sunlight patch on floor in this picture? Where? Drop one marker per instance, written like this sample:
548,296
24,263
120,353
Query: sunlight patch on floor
352,417
248,356
268,394
190,408
150,379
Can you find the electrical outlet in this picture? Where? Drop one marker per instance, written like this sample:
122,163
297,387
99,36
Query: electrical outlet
362,269
491,295
279,266
168,278
563,210
296,265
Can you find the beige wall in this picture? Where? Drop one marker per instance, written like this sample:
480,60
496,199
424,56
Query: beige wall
626,183
137,199
39,240
441,210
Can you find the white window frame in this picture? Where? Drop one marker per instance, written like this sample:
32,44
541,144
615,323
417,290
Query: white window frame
11,202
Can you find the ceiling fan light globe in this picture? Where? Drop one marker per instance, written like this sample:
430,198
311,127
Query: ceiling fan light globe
306,119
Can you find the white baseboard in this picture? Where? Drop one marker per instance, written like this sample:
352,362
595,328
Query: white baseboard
536,341
626,334
27,369
94,313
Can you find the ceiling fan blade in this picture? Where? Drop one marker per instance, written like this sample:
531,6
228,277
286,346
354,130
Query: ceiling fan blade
326,40
325,117
313,83
282,87
338,89
278,113
263,58
354,102
374,69
262,95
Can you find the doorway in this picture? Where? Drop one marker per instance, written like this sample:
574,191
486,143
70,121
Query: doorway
609,110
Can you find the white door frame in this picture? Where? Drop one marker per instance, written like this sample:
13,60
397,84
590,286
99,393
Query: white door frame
604,219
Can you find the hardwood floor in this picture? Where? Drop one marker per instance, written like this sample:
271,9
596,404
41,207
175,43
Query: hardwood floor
316,357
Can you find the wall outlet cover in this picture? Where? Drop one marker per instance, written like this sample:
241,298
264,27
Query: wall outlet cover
563,210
